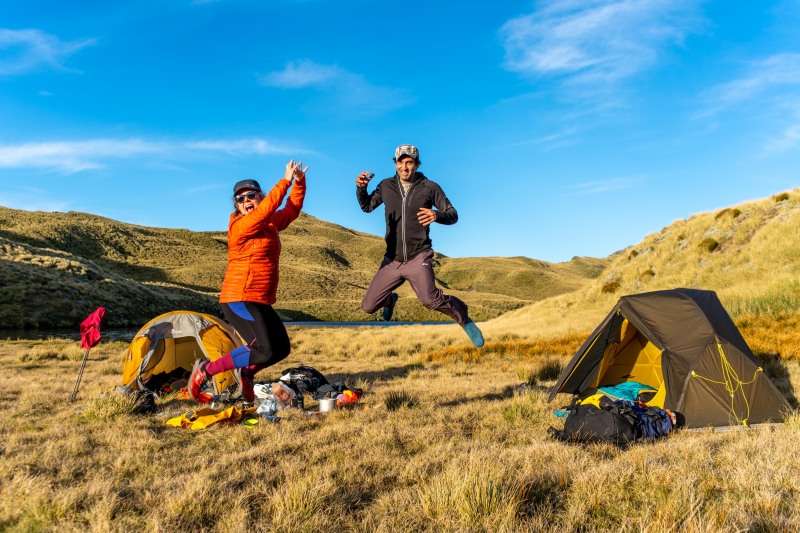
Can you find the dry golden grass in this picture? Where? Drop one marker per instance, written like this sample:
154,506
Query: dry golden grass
755,272
64,265
449,438
445,440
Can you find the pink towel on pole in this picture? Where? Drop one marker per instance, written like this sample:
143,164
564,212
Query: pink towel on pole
90,328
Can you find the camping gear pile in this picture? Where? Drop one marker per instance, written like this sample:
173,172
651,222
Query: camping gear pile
308,381
673,354
161,355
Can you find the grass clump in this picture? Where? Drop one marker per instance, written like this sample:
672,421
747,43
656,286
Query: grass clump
549,370
111,405
398,399
473,497
52,351
732,212
529,406
709,244
646,275
782,197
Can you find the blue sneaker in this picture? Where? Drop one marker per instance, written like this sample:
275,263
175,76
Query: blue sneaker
388,311
474,334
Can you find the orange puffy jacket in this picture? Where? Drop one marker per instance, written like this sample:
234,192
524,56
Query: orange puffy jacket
254,246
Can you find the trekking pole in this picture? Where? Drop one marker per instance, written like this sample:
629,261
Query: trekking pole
80,375
90,336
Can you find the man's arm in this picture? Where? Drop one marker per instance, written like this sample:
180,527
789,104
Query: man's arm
444,213
367,201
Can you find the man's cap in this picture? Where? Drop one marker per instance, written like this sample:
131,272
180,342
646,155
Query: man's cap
406,149
246,184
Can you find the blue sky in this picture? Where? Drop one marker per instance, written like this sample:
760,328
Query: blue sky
557,129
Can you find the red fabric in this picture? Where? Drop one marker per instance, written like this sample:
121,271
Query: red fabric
90,329
254,246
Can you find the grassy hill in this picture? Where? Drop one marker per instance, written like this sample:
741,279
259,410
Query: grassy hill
749,254
55,268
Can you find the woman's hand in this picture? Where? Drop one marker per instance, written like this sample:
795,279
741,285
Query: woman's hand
300,172
295,170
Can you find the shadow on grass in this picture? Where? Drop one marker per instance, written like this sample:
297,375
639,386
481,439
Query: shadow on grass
505,394
775,368
387,374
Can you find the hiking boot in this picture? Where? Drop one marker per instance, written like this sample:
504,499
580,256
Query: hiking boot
247,389
474,334
197,379
388,311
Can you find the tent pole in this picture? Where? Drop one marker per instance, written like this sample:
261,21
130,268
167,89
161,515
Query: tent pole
80,375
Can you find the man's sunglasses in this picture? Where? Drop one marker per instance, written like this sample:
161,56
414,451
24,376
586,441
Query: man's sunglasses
240,198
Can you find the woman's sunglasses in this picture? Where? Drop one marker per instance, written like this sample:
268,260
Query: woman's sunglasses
240,198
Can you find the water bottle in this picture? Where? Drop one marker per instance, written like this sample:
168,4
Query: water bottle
268,407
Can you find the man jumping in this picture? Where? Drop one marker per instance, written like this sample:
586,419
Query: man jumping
409,198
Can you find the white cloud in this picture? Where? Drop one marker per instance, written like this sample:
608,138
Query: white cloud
241,147
303,73
346,90
553,141
29,49
767,90
72,156
789,138
773,73
601,186
76,156
204,188
596,41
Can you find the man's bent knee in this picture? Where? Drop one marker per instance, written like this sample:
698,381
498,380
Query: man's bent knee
368,310
433,301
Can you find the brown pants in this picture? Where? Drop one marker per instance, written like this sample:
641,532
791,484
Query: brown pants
419,273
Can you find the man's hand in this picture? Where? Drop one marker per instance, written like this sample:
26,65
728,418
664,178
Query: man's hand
363,178
425,216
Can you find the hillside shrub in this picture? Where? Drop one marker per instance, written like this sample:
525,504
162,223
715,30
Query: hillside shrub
728,211
709,244
647,274
781,197
610,287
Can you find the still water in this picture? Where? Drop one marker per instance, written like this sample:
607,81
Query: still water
127,334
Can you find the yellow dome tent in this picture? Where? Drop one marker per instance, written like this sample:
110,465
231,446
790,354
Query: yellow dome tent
164,350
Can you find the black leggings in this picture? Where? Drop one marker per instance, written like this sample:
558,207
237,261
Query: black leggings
262,330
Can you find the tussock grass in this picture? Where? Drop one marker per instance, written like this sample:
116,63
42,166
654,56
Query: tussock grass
398,399
472,455
109,406
473,494
51,350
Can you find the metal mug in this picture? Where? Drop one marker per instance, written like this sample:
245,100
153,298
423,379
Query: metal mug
327,404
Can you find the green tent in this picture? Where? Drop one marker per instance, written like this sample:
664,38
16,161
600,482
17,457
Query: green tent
684,345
